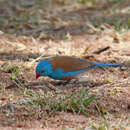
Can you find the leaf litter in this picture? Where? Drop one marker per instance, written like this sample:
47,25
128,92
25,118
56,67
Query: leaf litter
20,91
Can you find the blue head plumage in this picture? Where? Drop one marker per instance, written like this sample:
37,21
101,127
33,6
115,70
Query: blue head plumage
43,68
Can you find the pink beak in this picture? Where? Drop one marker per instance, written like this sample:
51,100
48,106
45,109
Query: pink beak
37,75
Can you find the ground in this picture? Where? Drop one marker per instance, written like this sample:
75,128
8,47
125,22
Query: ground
99,99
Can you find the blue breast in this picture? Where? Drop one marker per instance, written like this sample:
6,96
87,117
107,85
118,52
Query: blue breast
59,73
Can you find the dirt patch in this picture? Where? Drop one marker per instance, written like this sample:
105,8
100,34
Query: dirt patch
48,104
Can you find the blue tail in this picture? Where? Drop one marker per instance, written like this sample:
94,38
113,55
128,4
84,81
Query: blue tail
96,64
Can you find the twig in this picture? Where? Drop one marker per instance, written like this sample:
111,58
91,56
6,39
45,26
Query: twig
102,50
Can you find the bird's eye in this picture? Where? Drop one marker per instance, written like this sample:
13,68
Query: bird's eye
42,71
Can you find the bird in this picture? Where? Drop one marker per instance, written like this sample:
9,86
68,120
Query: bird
66,67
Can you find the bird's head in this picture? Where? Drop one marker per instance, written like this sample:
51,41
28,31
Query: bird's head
43,68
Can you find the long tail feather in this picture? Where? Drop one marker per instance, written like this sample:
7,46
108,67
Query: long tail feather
96,64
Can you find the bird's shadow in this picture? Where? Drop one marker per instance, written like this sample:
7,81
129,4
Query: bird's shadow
76,83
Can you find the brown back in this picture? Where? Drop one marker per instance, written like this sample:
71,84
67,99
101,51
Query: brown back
69,64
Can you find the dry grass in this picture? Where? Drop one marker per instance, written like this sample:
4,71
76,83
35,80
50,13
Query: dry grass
44,104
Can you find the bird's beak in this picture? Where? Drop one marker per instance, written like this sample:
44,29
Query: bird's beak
37,75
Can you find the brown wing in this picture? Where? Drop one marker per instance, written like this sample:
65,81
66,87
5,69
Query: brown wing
69,63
